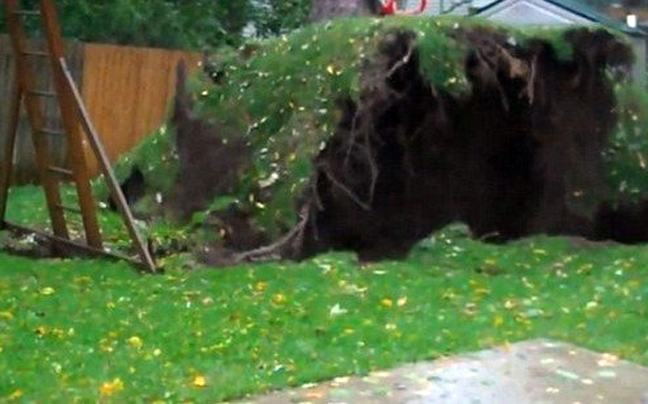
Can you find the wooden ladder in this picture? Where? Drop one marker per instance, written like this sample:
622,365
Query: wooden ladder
74,117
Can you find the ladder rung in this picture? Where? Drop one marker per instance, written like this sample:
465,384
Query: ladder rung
26,12
60,170
69,209
52,132
42,93
35,53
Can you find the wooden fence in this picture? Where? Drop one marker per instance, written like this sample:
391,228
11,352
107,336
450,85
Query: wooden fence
127,91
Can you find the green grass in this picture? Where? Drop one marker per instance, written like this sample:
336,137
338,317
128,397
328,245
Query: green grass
74,330
27,207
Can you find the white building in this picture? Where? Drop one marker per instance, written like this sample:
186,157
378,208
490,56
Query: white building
552,13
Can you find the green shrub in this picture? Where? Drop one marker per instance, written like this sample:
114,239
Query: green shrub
196,24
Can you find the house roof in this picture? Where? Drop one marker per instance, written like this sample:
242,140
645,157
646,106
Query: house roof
578,9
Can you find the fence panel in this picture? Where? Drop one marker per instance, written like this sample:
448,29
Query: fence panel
127,91
24,157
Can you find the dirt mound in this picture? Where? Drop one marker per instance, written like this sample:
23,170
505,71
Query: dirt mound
210,162
501,132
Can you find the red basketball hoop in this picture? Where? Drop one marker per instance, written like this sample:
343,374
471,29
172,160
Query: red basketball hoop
391,8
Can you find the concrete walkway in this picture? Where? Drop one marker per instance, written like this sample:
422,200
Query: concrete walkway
538,371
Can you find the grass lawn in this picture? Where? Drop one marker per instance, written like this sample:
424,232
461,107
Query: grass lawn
74,330
86,330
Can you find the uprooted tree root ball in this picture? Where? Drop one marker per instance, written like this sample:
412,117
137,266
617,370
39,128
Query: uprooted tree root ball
409,159
511,146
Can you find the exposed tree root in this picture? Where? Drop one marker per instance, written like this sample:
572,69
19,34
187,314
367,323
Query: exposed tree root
287,247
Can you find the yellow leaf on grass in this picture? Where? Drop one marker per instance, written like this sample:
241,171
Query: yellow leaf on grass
6,315
278,298
498,321
109,388
402,301
387,302
16,395
135,342
261,286
47,291
200,381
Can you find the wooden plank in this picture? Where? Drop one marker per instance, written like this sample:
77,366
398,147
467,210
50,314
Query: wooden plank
66,247
27,81
9,150
66,105
106,169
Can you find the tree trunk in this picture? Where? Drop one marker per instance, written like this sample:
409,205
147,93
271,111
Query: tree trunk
323,10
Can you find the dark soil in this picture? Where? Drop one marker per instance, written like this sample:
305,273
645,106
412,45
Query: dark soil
506,159
626,223
519,154
133,188
210,162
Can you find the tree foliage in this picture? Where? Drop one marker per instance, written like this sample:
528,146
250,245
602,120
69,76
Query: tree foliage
196,24
273,17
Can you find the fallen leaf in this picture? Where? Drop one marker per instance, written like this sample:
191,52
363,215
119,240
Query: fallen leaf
337,310
386,302
200,381
135,342
6,315
261,286
607,374
109,388
16,395
315,394
567,374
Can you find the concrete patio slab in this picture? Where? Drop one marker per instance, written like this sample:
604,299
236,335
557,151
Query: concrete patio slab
538,371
